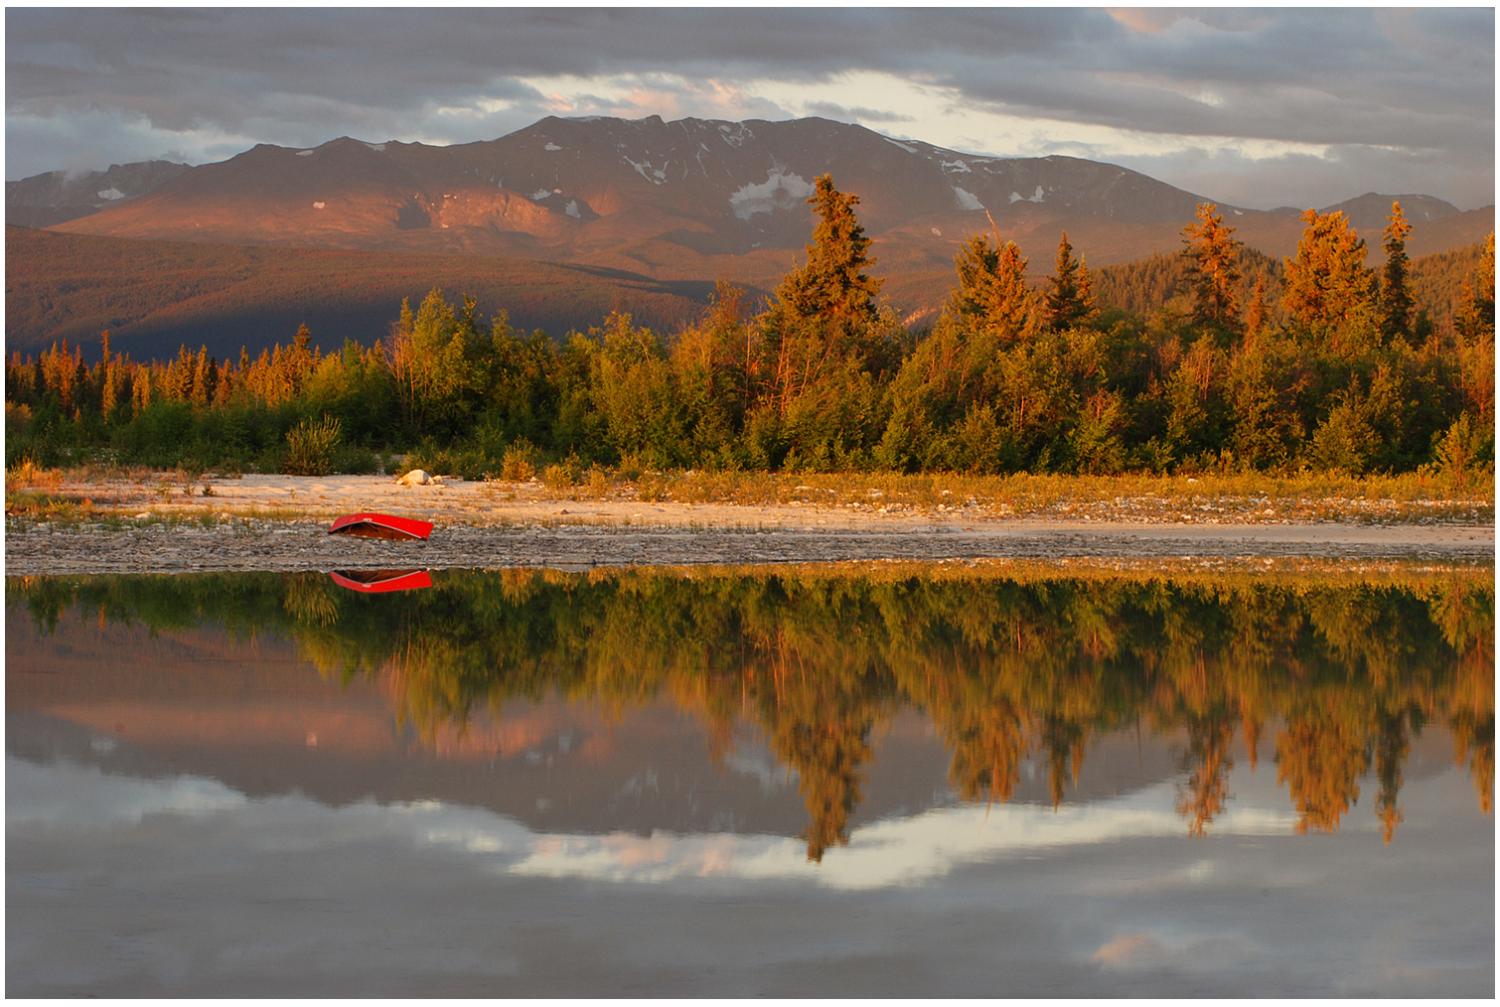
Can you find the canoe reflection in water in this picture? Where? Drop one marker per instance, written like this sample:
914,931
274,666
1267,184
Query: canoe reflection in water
381,581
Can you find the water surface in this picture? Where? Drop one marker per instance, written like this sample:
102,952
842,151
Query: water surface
878,780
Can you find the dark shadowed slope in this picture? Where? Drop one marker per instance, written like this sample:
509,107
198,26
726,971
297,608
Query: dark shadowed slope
154,295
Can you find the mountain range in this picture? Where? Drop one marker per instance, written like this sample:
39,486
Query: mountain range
648,201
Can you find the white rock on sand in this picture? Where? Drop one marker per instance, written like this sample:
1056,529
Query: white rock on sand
416,477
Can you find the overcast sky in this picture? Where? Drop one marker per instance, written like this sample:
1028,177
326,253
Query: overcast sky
1257,108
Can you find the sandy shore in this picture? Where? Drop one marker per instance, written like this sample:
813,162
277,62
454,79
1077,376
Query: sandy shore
279,523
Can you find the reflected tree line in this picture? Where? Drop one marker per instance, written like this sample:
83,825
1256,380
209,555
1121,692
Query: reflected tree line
1333,675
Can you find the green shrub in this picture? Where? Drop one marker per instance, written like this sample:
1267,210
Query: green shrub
1342,441
311,447
355,461
1462,450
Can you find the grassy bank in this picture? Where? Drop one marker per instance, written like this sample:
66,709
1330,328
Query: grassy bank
86,494
1244,497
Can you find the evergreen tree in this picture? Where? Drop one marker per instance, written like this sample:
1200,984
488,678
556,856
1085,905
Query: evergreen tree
992,295
140,392
1086,290
1255,312
1069,299
1395,290
109,393
1327,283
204,373
834,283
1213,271
1476,311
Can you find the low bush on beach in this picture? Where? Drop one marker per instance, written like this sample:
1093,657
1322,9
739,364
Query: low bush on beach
312,445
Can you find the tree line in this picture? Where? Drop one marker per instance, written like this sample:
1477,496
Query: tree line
1331,677
1322,361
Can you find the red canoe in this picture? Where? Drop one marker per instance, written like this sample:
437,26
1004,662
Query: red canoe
380,526
381,581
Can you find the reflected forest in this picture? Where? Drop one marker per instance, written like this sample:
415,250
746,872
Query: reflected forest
1330,675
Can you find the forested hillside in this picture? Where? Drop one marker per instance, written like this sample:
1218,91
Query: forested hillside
1338,359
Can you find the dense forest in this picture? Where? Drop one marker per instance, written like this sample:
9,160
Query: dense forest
1217,359
1333,675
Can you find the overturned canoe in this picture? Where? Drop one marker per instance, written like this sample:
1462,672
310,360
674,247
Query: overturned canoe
380,526
381,581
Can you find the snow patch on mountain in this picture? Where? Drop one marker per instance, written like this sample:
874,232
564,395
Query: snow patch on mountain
376,147
904,146
1037,197
782,190
648,171
572,209
111,193
541,194
306,153
551,146
735,134
956,166
966,199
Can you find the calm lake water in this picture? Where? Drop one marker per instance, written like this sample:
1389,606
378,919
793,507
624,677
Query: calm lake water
884,780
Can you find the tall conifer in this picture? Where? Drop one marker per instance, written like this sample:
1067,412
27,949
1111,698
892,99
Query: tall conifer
1476,313
1395,289
1327,283
834,283
1255,312
1069,296
992,293
1213,270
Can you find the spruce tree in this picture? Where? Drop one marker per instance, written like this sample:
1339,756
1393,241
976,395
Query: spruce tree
109,394
1069,296
1213,270
1395,290
992,295
834,283
1086,290
202,391
1327,283
140,392
1476,312
1255,312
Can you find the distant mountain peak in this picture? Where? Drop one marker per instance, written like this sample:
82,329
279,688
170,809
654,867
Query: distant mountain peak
57,196
683,198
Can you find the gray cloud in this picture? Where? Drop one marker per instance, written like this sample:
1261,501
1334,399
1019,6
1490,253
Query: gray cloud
856,113
1403,91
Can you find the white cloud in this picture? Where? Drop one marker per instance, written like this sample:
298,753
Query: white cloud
892,852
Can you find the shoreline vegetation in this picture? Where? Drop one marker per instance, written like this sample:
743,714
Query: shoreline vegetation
729,499
1297,381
